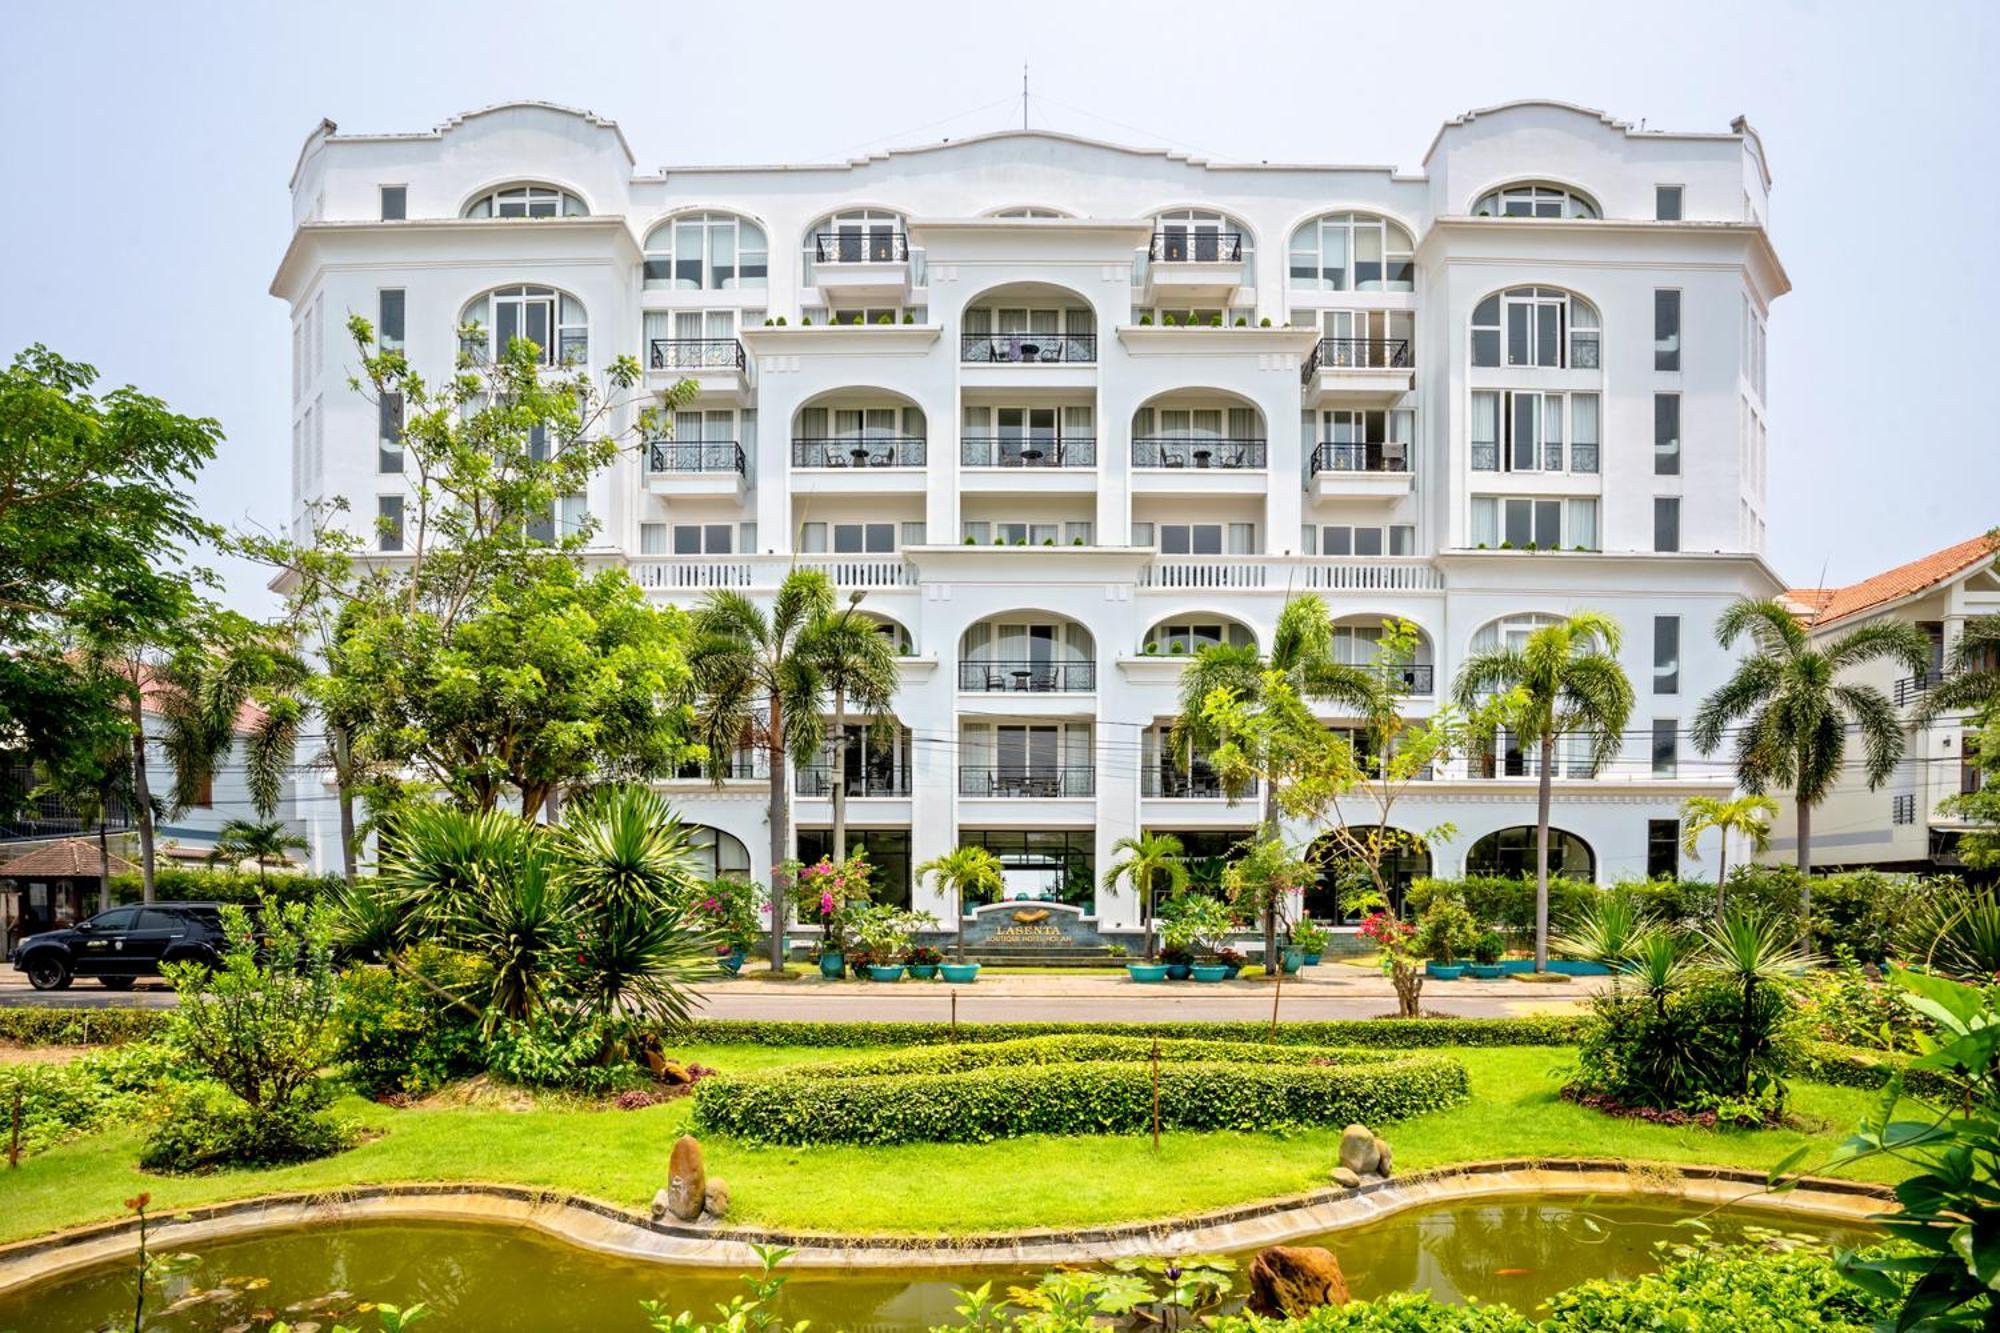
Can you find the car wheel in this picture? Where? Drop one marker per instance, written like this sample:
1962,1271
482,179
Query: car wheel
48,974
117,983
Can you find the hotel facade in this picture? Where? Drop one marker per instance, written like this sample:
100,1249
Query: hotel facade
1064,411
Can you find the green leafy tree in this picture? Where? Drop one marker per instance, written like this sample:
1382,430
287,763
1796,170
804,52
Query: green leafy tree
1563,682
1749,815
267,842
963,873
260,1022
1150,860
1791,712
1979,846
762,684
857,663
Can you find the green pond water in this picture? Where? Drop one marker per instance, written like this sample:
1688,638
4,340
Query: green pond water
492,1279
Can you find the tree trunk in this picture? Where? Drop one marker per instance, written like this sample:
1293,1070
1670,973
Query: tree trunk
1270,906
142,795
781,841
341,758
958,897
1542,799
103,864
1721,874
839,776
1146,908
1805,874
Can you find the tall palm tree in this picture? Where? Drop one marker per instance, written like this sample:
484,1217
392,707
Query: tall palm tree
1749,815
1791,712
1564,681
758,679
1302,651
1971,672
858,664
967,870
267,842
1149,858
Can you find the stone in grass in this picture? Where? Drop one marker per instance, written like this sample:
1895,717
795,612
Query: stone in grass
715,1200
687,1181
1358,1150
1291,1281
1345,1178
1385,1159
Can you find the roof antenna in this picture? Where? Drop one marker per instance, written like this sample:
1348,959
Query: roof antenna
1024,94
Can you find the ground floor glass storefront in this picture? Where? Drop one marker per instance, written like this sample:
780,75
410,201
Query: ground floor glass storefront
888,851
1339,877
1044,866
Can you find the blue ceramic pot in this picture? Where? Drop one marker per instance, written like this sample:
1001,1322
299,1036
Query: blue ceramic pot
885,971
1312,960
1147,972
923,971
1210,972
832,965
1178,971
1485,971
731,962
959,974
1444,971
1293,960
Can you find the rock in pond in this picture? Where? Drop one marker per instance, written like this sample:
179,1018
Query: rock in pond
1291,1281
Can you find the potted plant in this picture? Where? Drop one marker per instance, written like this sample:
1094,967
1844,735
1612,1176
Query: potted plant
1178,958
1233,962
962,873
1309,937
730,906
830,894
1212,971
922,961
883,933
1486,951
1147,973
1445,934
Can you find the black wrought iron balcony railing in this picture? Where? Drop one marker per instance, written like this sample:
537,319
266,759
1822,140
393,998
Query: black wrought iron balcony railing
817,780
1415,677
1911,688
1197,247
1357,354
1009,675
737,768
1026,348
1354,456
860,247
858,451
1027,451
1159,451
667,456
1199,785
696,354
1029,782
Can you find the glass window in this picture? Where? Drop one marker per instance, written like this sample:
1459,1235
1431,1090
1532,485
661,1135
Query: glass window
388,522
1666,654
526,201
653,539
707,252
1535,326
1352,252
1535,200
1663,849
1402,539
389,433
1666,329
389,317
553,321
395,202
1666,435
1666,747
1581,516
1666,523
1667,203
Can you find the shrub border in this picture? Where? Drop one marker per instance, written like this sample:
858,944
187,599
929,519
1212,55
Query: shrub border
1363,1033
50,1025
1862,1067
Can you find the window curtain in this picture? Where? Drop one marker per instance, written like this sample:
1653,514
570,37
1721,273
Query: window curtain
1485,522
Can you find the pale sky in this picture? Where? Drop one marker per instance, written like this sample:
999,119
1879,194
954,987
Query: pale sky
149,146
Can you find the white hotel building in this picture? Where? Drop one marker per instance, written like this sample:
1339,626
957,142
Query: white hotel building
1049,485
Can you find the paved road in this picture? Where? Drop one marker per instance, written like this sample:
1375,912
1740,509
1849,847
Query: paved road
1329,992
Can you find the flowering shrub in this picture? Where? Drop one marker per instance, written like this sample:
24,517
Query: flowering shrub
828,892
736,912
1401,962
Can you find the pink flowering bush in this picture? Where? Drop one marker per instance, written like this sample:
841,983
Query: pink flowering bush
828,892
736,911
1400,963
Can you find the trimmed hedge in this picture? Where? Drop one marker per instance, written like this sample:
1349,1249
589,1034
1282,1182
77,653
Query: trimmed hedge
1367,1033
1066,1085
1861,1067
80,1027
173,884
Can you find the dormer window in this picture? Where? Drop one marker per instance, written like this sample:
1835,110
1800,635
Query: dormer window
1536,200
527,201
1535,326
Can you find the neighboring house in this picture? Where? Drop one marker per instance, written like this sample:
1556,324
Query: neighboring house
50,884
1898,825
1524,378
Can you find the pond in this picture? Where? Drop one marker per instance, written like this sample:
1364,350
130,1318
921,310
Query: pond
492,1279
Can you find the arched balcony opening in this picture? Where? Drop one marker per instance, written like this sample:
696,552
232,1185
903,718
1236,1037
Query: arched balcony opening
1198,428
554,321
859,428
1405,860
1027,652
1372,642
1186,633
1510,852
715,853
1028,323
526,199
1536,199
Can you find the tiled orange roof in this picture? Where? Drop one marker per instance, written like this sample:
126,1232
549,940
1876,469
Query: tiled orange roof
1822,606
71,858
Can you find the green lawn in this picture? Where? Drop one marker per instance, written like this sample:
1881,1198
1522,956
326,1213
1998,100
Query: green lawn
621,1157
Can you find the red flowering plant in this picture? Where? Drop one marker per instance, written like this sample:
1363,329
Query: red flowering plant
1400,961
735,912
828,892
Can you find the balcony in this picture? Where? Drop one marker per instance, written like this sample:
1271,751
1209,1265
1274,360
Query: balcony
704,467
696,573
1360,470
1027,451
816,780
1911,688
1369,574
1419,678
862,265
858,451
1213,452
1199,785
1026,676
1358,371
1193,267
696,354
1032,783
1027,349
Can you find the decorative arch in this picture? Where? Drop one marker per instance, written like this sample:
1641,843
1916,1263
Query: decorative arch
895,631
1194,215
1198,426
1182,633
1510,630
1351,250
707,248
554,320
858,233
1409,861
1537,326
715,853
517,198
1536,197
1027,650
1027,211
1028,322
1511,852
859,426
1357,641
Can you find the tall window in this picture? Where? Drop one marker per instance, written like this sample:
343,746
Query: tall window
707,252
1666,747
389,433
553,321
1526,431
527,201
1535,326
1666,329
1663,849
1534,200
1545,523
1352,252
388,522
395,202
389,306
1666,523
1667,203
1666,654
1666,435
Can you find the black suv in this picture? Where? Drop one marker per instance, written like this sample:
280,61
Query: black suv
122,945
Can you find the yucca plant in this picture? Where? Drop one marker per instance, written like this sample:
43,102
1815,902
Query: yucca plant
1609,931
1953,930
1757,956
1657,962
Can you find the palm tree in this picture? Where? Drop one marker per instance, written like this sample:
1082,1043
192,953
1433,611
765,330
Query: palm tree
1749,815
1302,651
858,664
1149,857
267,842
1564,681
1971,674
758,679
1791,713
965,871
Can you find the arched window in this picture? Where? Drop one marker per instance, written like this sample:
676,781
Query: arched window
715,854
1030,211
1511,852
1404,861
1353,252
1190,633
553,321
1510,632
714,252
1535,326
527,201
1535,199
858,236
